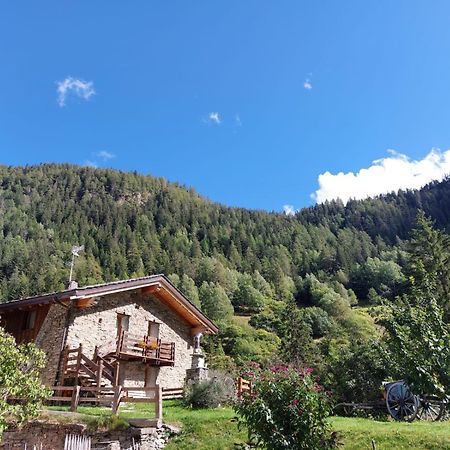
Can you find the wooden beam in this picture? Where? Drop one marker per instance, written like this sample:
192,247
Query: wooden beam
151,289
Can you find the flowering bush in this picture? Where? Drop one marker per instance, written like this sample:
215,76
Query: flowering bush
286,409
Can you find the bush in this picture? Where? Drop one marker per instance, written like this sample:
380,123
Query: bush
355,371
216,391
20,367
287,409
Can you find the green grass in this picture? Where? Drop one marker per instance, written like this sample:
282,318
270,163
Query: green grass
357,433
216,429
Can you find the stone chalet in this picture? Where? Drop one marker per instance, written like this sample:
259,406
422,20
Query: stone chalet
140,332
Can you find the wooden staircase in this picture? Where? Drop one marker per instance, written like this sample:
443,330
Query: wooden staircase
81,370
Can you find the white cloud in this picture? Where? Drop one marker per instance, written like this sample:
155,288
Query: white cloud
214,117
383,176
307,84
104,155
88,163
80,88
289,210
238,120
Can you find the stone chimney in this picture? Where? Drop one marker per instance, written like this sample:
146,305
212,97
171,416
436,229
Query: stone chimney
72,285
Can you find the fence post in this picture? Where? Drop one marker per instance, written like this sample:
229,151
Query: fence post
117,398
158,403
116,374
99,373
75,398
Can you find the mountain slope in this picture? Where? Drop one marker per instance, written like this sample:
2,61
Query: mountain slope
133,225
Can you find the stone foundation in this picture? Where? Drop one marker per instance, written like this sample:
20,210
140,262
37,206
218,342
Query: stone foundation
52,436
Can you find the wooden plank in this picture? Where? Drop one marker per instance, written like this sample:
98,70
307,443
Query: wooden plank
62,388
138,400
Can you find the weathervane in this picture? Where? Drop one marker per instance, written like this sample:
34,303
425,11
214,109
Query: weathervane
75,252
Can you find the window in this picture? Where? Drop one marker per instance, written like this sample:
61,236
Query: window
153,329
123,323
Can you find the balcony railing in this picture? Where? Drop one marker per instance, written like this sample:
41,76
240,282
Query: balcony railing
142,347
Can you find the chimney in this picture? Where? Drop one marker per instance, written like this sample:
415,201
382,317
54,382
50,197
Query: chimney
72,285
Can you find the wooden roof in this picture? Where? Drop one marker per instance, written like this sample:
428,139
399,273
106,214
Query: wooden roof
157,285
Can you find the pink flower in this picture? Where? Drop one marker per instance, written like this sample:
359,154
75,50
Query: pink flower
248,374
294,402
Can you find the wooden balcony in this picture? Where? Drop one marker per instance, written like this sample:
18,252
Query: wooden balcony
146,349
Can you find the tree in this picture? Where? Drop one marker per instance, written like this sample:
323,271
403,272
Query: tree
296,337
429,264
418,343
20,367
246,298
215,302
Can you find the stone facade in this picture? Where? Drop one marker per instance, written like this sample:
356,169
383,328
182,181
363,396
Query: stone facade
51,436
51,340
97,325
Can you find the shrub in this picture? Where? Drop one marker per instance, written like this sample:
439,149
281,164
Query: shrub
287,409
20,366
211,393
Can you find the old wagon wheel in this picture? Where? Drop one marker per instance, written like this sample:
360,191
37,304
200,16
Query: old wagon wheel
401,403
430,408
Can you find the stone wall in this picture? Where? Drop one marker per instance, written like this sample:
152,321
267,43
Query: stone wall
97,325
51,340
51,436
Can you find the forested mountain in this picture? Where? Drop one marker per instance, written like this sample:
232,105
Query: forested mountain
132,225
225,259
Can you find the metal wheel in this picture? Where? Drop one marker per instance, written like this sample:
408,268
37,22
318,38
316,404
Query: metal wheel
401,403
430,408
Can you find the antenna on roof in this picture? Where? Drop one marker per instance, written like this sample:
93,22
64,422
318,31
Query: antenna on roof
75,252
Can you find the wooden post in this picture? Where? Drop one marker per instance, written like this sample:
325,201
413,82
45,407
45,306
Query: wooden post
99,373
117,398
80,350
75,398
117,374
158,403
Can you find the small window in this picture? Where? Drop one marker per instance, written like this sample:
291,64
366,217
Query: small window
30,320
153,329
123,323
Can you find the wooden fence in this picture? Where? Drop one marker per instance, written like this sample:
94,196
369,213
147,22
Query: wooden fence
243,386
110,396
172,393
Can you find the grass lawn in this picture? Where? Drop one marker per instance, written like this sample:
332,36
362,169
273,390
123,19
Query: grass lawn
216,429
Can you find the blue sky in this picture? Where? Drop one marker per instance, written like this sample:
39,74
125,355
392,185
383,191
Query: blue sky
247,101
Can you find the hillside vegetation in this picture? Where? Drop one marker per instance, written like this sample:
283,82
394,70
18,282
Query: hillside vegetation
298,280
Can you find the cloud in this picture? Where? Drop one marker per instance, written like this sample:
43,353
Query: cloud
289,210
237,119
214,117
383,176
88,163
74,86
104,155
307,84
